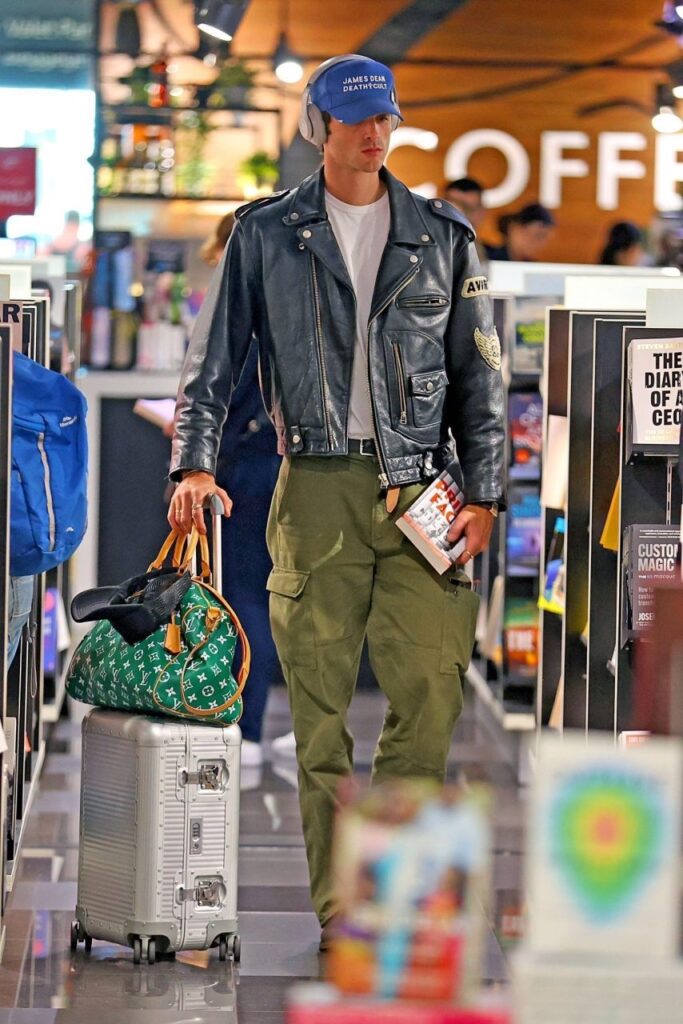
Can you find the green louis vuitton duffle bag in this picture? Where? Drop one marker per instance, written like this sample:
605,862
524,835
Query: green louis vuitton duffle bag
184,667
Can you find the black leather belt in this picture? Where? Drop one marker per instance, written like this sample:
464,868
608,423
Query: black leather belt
363,446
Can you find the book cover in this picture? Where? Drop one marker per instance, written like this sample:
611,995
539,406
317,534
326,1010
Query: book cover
159,411
520,638
427,520
525,416
650,557
527,354
655,374
411,866
523,540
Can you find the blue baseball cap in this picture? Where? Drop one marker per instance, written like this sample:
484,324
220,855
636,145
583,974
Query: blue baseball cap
356,89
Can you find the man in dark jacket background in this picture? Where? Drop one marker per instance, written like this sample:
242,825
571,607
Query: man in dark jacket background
377,349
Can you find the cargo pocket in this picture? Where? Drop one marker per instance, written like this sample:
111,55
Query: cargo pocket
460,609
290,617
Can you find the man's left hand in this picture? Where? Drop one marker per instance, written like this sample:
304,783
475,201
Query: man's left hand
475,524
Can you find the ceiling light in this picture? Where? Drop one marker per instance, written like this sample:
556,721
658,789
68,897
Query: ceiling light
286,65
219,18
667,121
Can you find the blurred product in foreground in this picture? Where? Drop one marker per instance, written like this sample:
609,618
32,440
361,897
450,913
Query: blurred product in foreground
411,865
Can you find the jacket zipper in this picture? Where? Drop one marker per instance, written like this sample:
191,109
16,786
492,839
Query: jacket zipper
383,475
415,302
321,355
398,360
48,492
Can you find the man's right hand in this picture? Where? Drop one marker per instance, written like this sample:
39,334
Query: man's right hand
189,497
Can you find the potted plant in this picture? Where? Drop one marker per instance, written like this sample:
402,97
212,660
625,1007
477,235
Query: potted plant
192,171
232,86
258,174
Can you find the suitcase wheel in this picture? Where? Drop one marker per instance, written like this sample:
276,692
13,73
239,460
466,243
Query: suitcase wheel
151,951
137,950
236,948
223,947
79,935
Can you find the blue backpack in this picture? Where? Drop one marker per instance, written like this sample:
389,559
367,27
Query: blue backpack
48,497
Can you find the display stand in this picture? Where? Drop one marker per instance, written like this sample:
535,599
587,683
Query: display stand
555,373
650,494
603,573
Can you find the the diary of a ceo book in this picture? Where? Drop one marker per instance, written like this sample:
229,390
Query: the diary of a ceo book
428,519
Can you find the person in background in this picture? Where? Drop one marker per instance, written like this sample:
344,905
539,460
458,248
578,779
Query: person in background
624,246
465,194
525,234
247,468
68,244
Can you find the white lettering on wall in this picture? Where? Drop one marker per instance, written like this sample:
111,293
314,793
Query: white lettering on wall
612,169
668,172
460,152
555,166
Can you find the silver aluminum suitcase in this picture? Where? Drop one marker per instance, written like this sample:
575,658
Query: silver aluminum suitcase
159,832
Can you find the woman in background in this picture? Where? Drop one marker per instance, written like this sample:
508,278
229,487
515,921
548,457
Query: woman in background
624,246
247,468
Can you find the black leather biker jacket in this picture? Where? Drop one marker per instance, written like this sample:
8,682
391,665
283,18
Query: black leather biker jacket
433,354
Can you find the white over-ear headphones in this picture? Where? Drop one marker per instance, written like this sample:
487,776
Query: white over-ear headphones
311,123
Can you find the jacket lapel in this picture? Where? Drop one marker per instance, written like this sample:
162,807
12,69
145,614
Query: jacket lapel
408,234
308,215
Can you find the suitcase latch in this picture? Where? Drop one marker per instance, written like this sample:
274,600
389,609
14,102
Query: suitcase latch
208,777
205,893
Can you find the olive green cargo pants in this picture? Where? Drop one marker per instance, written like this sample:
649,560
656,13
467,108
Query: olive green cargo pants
343,570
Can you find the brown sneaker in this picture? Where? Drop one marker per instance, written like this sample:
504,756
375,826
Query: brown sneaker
328,933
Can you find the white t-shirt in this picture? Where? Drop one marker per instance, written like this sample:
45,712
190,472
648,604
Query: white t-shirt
361,233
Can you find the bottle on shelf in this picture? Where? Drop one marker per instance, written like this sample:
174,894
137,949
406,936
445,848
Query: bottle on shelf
158,89
109,157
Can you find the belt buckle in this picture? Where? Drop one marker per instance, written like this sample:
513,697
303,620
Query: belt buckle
363,442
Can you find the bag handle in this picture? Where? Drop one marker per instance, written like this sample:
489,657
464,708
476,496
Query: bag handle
174,537
177,541
197,539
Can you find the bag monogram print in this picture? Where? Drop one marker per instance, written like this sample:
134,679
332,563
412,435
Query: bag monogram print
183,669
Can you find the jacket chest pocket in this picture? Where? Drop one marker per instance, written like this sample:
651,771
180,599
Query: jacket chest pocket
427,392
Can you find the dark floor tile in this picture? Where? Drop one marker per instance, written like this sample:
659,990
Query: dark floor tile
266,898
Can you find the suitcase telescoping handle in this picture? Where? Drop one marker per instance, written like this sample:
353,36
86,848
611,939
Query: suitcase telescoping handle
214,505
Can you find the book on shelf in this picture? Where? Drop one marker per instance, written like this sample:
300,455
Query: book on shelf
523,539
527,352
655,397
159,411
427,521
649,558
525,416
520,638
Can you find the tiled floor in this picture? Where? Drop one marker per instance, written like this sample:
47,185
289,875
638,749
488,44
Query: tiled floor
41,982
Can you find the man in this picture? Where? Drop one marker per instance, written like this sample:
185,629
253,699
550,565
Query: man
465,195
375,341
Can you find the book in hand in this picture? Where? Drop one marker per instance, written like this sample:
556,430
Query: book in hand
159,411
427,521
